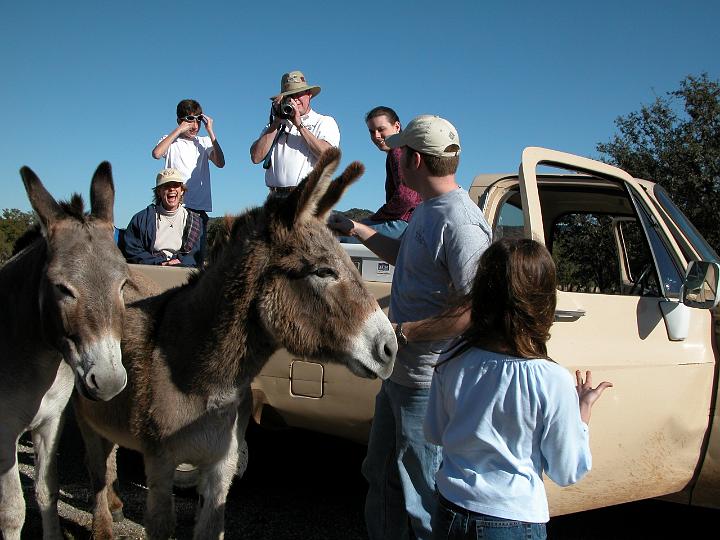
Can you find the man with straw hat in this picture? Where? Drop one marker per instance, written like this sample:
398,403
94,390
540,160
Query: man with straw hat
296,135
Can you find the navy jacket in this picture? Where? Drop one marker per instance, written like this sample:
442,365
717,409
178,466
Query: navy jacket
140,238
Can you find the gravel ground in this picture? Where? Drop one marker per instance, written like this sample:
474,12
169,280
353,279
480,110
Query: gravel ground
302,485
298,485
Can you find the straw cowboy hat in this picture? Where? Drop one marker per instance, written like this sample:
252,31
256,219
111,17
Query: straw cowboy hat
294,82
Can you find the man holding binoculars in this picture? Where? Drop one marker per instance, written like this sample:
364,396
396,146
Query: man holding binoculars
292,141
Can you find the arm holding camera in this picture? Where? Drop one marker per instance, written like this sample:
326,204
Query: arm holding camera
316,146
261,146
162,147
216,156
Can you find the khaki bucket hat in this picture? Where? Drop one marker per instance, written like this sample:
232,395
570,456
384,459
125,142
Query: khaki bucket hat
294,82
430,135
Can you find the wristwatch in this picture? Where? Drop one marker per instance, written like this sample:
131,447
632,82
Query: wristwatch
400,335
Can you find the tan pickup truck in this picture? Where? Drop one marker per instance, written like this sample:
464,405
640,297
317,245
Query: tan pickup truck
636,305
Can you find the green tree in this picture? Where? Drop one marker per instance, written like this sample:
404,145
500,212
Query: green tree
675,141
13,224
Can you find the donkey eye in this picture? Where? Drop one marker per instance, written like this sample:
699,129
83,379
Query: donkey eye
325,272
62,290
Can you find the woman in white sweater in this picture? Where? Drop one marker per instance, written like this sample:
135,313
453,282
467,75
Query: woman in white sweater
503,411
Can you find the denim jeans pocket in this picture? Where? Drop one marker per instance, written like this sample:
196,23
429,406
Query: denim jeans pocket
492,528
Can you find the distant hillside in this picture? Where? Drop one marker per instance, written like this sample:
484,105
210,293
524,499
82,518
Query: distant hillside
356,214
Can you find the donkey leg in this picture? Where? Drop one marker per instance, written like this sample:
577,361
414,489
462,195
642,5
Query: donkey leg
100,461
12,502
115,503
241,424
46,439
213,487
160,507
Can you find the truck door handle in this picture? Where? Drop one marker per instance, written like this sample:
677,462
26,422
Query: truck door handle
569,314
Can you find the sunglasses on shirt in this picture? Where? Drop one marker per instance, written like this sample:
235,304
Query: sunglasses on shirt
191,118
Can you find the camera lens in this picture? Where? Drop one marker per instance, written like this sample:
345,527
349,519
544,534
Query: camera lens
286,110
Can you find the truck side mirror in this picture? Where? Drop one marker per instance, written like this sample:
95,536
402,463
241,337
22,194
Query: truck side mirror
700,288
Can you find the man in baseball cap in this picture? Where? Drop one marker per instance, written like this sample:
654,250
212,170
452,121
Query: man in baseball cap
289,158
435,259
430,135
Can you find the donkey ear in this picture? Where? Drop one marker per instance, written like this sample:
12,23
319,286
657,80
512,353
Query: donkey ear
312,189
102,193
337,188
44,204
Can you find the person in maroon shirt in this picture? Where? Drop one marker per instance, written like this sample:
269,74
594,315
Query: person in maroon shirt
392,218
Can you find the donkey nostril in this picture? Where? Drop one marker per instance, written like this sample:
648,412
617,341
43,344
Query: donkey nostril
93,381
390,349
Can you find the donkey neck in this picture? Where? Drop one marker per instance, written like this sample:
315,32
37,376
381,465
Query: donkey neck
21,281
209,330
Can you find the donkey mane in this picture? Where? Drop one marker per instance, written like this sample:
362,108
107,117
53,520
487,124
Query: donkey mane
75,208
26,239
232,227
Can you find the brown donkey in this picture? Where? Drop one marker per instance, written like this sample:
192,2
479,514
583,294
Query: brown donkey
61,321
282,280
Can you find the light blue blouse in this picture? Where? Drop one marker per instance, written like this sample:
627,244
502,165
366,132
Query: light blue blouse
503,421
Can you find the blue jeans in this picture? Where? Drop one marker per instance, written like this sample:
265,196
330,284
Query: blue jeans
392,229
451,522
400,466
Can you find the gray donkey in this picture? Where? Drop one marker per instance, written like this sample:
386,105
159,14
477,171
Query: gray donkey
60,324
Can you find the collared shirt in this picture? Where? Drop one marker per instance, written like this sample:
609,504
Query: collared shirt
503,421
292,159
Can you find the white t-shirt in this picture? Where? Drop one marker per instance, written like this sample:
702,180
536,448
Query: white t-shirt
292,160
190,157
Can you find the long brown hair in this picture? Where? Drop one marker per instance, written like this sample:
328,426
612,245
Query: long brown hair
513,298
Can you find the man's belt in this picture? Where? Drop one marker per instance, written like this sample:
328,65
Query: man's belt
285,189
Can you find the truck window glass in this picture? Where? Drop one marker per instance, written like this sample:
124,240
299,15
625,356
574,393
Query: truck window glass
707,253
598,253
510,221
604,240
671,276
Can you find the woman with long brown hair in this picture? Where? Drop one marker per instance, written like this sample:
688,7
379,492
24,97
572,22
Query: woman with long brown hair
503,411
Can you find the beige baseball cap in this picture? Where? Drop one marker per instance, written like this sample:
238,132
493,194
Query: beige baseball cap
428,134
294,82
168,175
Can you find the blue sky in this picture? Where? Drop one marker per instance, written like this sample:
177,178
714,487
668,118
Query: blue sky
82,82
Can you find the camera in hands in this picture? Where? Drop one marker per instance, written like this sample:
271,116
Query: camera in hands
284,109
